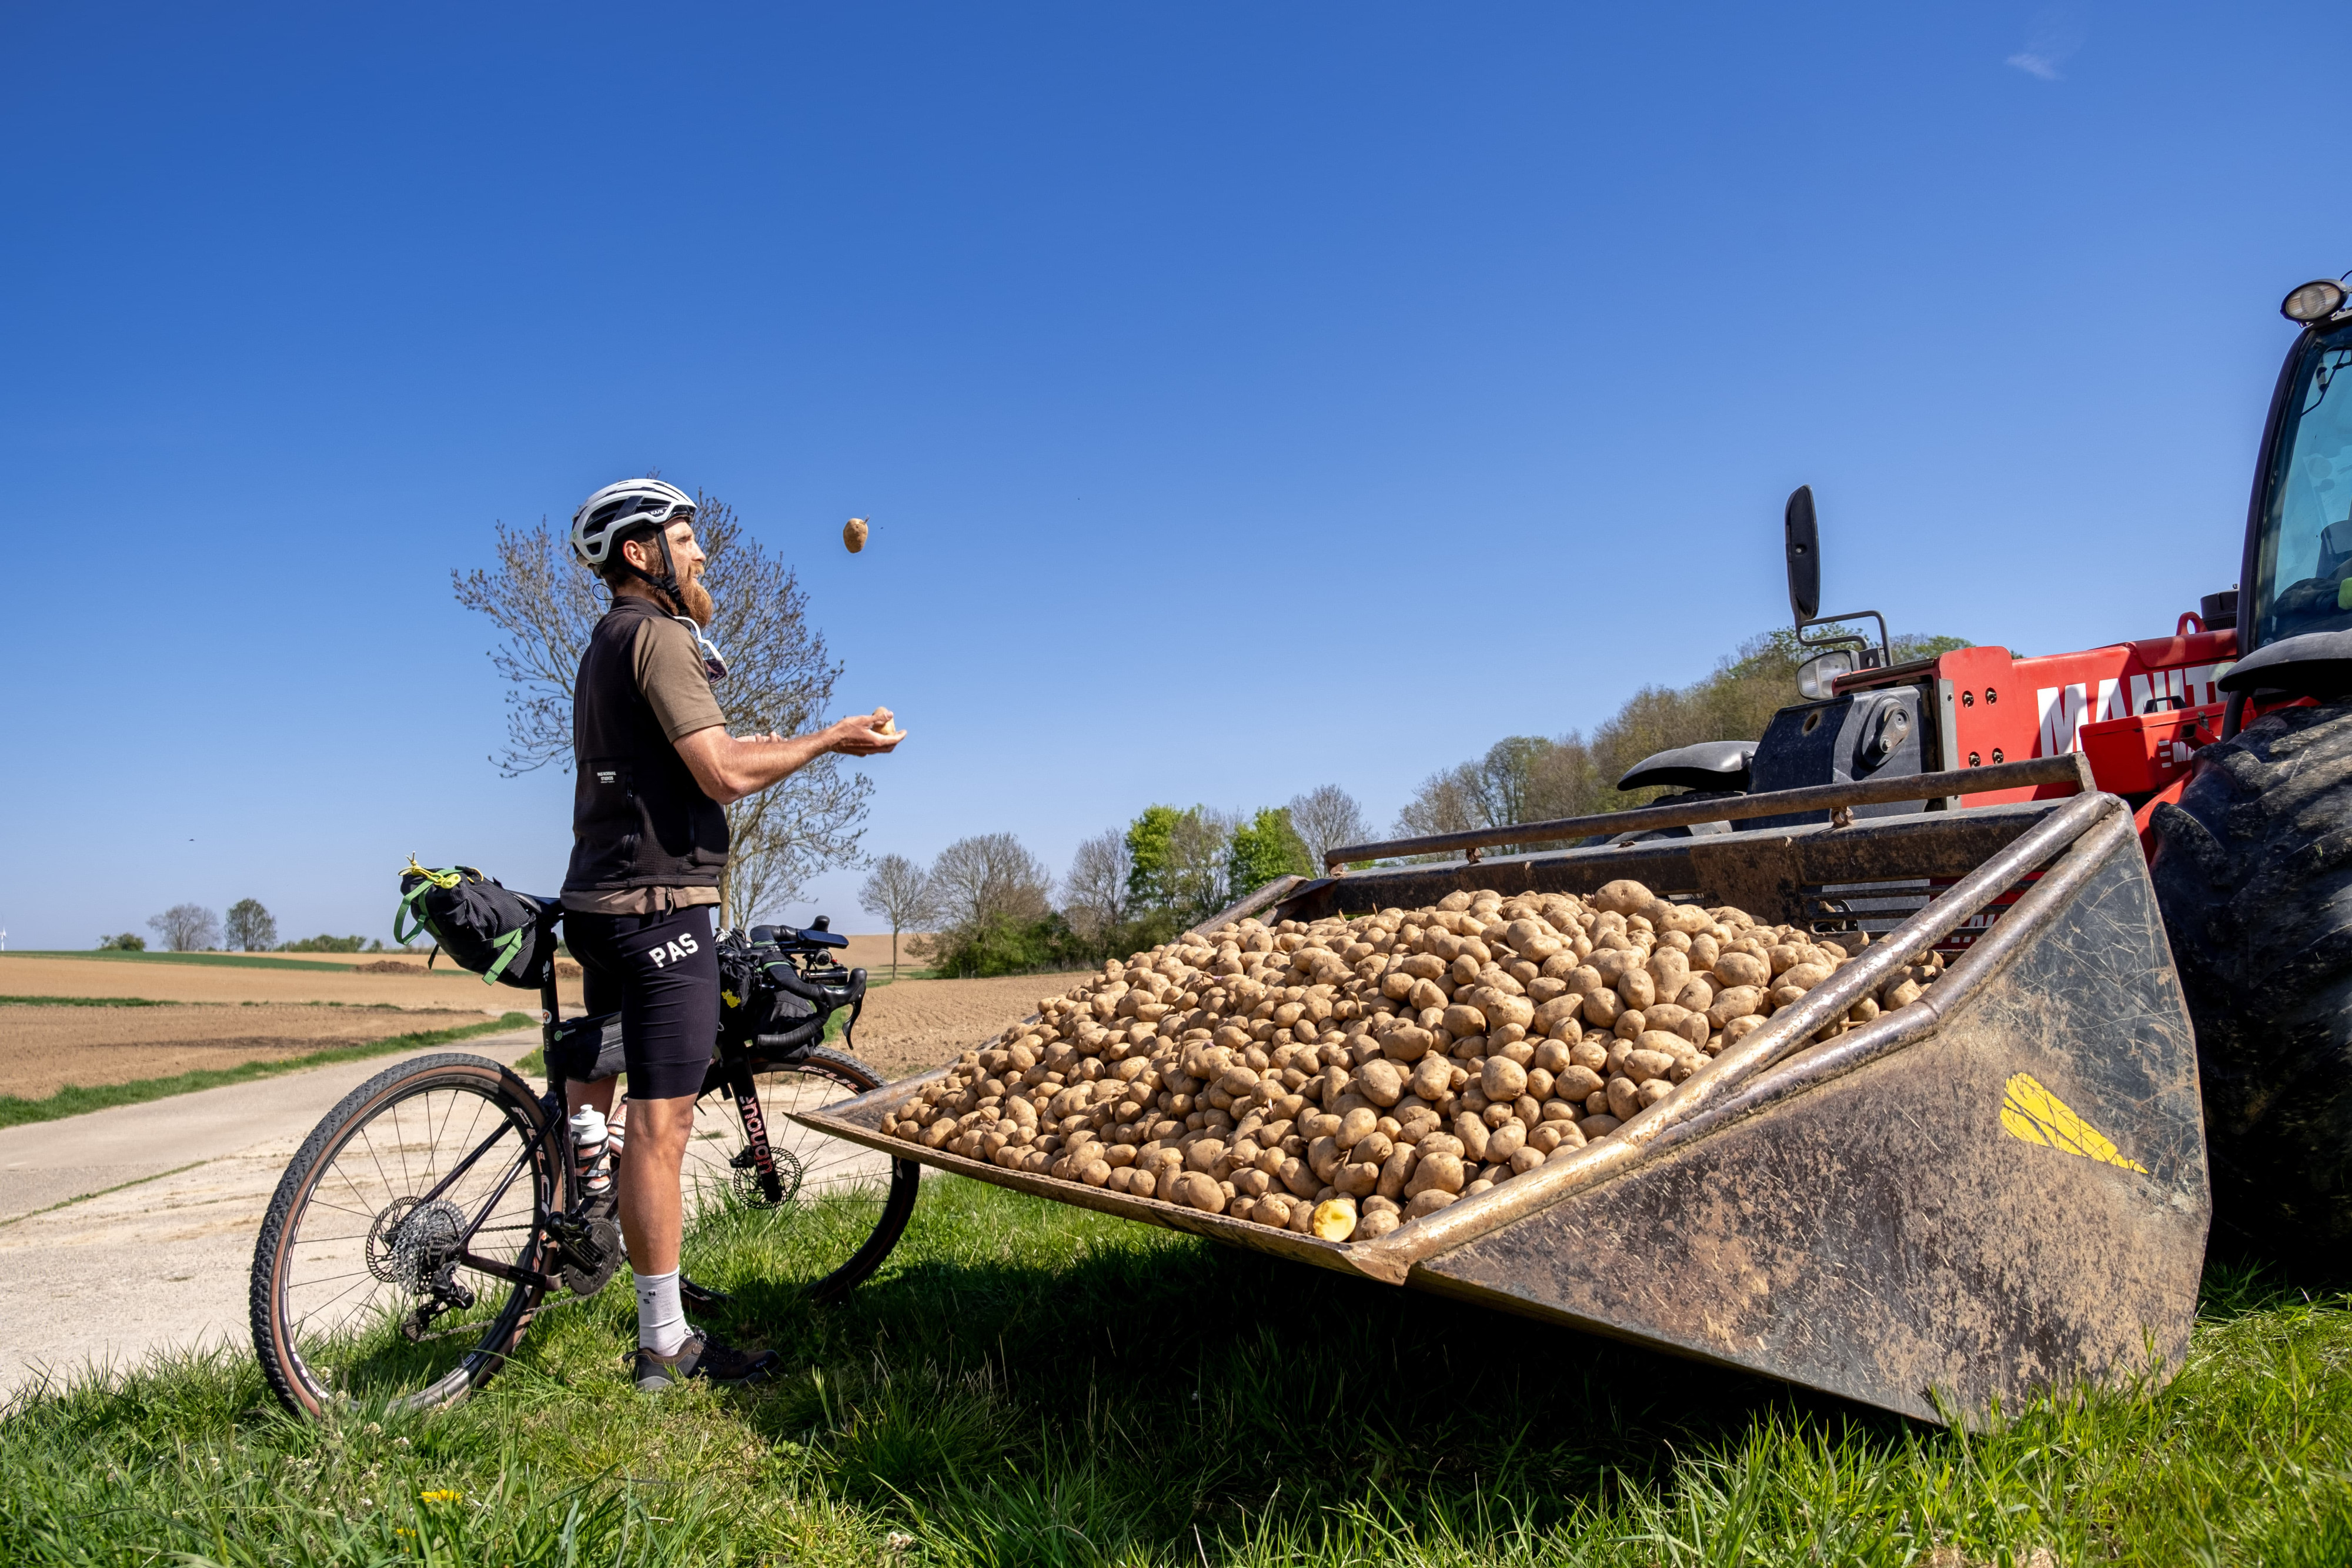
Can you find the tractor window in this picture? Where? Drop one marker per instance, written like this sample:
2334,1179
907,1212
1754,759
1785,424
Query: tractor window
2304,568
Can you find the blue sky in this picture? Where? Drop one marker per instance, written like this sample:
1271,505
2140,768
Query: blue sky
1246,397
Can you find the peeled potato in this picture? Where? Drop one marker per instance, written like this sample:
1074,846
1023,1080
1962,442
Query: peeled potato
1335,1218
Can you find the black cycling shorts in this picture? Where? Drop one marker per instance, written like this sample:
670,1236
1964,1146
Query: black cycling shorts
660,972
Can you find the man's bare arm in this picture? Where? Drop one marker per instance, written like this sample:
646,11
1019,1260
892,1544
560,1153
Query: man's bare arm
730,766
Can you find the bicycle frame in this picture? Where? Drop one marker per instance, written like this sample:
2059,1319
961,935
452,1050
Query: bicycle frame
732,1068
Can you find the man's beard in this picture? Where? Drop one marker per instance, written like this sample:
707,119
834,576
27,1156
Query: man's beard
698,607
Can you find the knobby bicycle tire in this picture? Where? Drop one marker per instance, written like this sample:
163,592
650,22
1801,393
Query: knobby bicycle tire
304,1388
904,1177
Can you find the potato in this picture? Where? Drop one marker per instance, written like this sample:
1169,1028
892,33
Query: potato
1432,1079
1335,1219
1436,1170
1263,1071
1504,1140
1644,1064
1503,1078
1396,1171
1624,1098
1737,1003
1740,968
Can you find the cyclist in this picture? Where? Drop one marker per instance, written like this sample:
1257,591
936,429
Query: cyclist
649,837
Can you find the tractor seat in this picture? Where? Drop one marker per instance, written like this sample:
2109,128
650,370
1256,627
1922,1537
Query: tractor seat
1719,766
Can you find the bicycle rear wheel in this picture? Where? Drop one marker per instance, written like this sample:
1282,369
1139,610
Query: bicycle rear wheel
834,1209
366,1279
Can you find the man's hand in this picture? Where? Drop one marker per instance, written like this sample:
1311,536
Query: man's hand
865,735
730,766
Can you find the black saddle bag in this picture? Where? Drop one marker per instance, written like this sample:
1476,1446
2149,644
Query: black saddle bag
499,933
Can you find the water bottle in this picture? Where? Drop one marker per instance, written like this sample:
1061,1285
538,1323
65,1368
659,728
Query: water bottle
590,1137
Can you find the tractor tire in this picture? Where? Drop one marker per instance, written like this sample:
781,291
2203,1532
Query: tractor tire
2253,874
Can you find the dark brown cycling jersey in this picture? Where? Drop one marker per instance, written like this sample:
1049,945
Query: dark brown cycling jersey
639,821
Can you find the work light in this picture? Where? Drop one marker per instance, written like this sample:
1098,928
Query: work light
2314,301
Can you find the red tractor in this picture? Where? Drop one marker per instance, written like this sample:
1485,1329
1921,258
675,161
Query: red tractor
2231,735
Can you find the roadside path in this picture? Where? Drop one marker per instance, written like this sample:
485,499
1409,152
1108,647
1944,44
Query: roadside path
131,1230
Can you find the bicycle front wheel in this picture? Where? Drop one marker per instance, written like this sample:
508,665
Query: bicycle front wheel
830,1209
375,1280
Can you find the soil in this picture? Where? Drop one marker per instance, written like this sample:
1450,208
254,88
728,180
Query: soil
908,1026
444,987
914,1025
49,1047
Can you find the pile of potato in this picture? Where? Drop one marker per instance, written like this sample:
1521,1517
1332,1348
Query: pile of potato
1345,1077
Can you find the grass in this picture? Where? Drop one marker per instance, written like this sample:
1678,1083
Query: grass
16,1111
82,1002
1027,1383
229,960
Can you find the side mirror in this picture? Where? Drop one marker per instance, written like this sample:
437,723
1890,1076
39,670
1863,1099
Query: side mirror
1804,545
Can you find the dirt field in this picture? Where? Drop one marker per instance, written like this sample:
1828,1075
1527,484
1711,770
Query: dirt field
22,976
916,1025
907,1027
49,1047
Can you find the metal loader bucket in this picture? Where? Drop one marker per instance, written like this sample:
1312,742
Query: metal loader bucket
1997,1187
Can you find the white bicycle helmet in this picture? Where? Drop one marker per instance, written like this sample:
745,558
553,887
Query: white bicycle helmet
616,508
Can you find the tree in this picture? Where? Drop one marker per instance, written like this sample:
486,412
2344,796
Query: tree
187,928
778,681
1262,849
128,942
989,876
1527,778
1325,818
899,891
1178,860
251,928
1094,894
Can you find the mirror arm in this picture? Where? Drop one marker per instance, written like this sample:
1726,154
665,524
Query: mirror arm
1850,639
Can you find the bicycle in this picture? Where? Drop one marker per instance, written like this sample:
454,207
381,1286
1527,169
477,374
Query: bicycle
426,1220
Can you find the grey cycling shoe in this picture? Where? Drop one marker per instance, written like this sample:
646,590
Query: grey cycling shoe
702,1355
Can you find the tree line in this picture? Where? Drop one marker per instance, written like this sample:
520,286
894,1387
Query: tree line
987,906
249,927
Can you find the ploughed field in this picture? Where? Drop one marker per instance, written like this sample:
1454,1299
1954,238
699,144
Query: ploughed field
52,1048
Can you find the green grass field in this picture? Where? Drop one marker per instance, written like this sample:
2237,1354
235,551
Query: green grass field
1025,1383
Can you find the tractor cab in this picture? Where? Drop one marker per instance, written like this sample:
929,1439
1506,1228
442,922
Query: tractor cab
2138,710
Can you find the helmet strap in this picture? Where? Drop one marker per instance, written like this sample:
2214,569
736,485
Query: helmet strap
666,582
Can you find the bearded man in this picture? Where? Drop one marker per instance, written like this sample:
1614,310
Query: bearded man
657,767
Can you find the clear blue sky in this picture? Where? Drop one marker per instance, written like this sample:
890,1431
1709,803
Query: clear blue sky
1248,397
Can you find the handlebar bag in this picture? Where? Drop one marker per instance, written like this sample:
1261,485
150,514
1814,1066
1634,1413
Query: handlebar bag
499,933
751,1001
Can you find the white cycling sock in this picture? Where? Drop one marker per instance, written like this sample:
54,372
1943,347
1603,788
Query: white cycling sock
661,1320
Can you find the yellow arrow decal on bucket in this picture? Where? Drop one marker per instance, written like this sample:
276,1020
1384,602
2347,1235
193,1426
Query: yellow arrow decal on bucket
2033,1114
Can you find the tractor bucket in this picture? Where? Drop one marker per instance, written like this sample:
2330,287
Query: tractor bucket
1998,1188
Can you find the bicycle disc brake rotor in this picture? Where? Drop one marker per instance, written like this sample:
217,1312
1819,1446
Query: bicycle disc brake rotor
751,1192
411,1240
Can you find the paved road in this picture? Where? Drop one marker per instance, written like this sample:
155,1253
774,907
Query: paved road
128,1231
